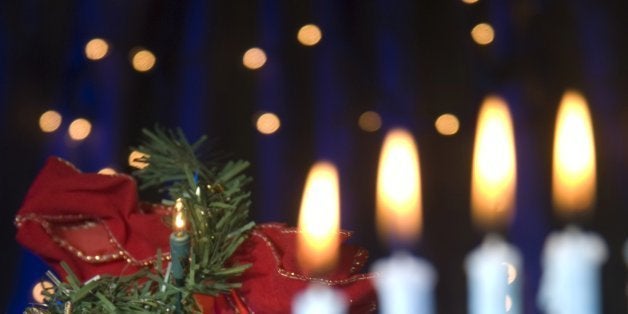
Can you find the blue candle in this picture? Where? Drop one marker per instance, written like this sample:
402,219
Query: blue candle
179,252
179,246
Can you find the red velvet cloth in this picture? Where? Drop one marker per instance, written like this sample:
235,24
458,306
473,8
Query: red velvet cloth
95,224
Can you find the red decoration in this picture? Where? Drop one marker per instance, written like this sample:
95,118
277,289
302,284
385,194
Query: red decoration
95,224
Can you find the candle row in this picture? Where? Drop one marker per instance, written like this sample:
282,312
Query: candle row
405,283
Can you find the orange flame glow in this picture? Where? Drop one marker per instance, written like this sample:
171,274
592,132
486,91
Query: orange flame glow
319,220
494,173
574,172
399,188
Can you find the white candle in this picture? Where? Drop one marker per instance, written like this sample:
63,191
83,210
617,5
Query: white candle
571,259
571,272
319,299
317,240
404,284
493,283
494,267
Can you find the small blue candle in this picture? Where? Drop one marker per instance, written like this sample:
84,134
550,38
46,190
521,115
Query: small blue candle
179,246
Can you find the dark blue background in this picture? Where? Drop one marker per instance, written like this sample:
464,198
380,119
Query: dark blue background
409,60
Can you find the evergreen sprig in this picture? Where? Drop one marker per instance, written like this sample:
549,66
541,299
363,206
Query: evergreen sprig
145,291
216,207
215,200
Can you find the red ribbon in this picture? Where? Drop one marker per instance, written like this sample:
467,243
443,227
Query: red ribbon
95,224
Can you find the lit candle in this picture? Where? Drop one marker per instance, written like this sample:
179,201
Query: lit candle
179,245
571,259
404,283
317,240
492,268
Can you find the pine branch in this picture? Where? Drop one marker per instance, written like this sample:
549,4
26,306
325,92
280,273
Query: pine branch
215,200
216,206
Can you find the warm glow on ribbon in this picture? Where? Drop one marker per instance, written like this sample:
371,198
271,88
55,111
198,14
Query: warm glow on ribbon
494,173
399,188
319,220
574,175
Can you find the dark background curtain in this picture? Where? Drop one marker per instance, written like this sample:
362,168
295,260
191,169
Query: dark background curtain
410,61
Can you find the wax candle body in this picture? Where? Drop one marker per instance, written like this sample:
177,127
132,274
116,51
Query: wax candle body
318,299
571,272
493,271
179,253
404,284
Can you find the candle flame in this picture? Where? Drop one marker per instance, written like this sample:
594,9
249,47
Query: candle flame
574,173
319,220
179,219
494,166
399,188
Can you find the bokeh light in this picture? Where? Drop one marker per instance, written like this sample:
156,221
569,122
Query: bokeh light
267,123
470,1
447,124
107,171
143,60
79,129
96,49
38,290
309,35
254,58
134,162
50,121
483,34
370,121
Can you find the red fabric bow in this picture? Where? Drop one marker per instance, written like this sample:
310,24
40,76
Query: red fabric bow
95,224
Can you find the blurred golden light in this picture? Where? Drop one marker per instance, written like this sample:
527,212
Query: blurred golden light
254,58
267,123
79,129
483,34
494,173
143,60
574,171
50,121
134,160
96,49
399,188
370,121
470,1
38,290
447,124
107,171
309,35
319,220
